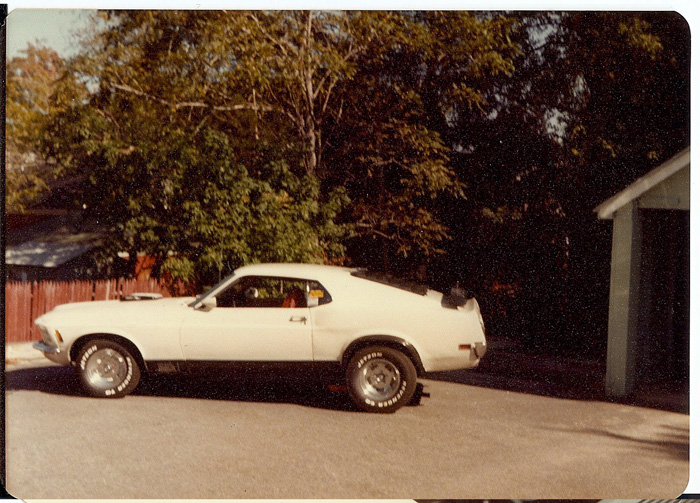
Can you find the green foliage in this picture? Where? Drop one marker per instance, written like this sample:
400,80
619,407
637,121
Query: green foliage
596,100
177,160
502,214
185,199
638,35
394,146
213,139
30,82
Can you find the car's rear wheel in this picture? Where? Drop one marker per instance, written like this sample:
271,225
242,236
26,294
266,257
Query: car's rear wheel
380,379
107,369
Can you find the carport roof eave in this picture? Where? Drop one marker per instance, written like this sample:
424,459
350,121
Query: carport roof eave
606,210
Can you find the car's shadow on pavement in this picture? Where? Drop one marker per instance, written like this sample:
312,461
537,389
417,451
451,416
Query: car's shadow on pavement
306,392
564,377
255,388
49,379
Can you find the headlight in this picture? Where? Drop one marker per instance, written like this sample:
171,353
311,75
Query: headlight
44,334
47,338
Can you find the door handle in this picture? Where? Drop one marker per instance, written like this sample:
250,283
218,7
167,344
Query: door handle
301,319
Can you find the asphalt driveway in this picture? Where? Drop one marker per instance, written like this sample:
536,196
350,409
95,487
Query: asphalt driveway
250,438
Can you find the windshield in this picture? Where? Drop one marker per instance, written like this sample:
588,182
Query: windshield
211,290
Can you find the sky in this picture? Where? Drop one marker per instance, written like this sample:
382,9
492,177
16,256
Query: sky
50,27
53,25
52,22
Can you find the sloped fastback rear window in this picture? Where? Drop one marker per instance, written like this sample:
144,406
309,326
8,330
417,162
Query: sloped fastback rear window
388,279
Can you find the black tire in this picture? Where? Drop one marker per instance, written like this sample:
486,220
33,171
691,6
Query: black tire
380,379
107,369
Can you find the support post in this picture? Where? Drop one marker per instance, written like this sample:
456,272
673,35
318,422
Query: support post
624,301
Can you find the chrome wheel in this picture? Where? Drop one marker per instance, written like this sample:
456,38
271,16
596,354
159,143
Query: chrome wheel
106,368
379,379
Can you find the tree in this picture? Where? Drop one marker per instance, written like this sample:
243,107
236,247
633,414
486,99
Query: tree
275,102
180,195
306,55
273,72
163,168
30,80
597,99
395,144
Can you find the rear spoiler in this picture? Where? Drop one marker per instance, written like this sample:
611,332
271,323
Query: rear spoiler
457,297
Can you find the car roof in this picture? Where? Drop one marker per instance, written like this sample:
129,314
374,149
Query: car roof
295,270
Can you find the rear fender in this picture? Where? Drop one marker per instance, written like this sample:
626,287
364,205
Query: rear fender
388,341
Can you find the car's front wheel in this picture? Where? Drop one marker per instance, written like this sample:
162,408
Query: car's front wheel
107,369
380,379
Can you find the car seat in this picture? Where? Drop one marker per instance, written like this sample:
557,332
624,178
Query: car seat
295,298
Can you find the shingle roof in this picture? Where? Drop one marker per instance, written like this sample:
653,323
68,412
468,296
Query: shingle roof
47,254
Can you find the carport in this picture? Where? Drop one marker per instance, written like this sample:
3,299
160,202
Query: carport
648,320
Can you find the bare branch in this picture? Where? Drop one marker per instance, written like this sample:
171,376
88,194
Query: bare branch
279,43
331,85
396,236
352,50
199,126
193,104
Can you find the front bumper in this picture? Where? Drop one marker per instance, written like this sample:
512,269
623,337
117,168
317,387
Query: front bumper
53,353
45,348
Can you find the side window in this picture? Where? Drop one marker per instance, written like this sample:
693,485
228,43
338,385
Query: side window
317,294
266,291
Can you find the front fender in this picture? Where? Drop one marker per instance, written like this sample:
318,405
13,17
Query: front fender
96,333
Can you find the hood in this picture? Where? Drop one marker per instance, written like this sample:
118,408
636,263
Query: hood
120,305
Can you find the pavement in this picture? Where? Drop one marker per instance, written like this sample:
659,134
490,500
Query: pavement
18,352
187,437
509,366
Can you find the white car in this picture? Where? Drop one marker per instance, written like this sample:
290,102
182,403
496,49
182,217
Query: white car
375,333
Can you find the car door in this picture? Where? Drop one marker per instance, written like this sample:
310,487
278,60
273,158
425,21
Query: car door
256,319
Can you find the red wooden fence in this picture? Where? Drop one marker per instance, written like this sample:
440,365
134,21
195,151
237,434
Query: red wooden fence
24,302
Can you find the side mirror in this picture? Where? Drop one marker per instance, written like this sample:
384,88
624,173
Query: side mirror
207,304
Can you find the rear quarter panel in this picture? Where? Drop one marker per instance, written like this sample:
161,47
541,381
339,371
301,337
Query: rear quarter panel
363,308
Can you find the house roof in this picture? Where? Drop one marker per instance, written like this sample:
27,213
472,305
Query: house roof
639,187
50,239
48,253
